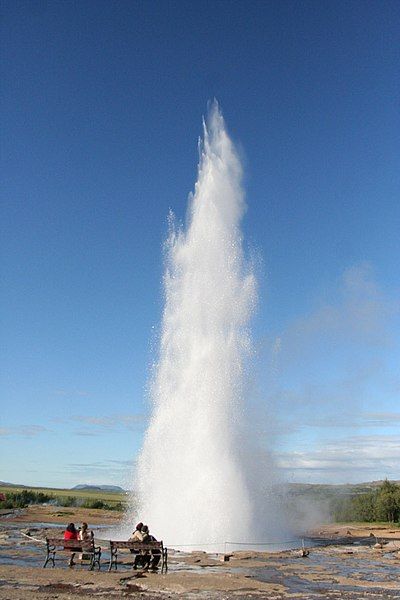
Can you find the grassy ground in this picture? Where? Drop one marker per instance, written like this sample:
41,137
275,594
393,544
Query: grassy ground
109,497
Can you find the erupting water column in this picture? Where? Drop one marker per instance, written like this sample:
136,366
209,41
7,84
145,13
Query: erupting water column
193,475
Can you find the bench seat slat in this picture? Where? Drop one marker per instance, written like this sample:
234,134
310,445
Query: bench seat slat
144,548
136,545
60,543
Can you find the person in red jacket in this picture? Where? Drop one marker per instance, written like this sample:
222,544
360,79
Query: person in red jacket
71,534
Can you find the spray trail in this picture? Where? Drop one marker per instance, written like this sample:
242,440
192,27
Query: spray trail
195,481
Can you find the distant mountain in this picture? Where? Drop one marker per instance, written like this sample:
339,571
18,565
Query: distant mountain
99,488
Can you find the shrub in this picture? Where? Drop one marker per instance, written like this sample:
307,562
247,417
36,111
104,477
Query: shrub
24,498
382,504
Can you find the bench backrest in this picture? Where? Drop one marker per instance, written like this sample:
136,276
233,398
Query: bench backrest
70,544
114,544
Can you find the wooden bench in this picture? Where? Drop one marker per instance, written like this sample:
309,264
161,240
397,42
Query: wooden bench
54,545
143,548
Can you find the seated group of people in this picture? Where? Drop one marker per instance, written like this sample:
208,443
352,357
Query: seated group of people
141,534
82,533
148,559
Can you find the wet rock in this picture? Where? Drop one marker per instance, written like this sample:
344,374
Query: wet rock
303,553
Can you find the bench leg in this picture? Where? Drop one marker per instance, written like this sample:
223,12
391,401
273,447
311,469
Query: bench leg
71,560
50,559
113,560
95,559
164,561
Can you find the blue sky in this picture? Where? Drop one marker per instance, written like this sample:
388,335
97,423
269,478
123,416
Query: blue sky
101,111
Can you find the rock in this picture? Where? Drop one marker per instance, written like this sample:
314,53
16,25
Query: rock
226,557
303,553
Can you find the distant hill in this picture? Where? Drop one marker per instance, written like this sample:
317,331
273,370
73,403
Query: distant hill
100,488
7,484
339,489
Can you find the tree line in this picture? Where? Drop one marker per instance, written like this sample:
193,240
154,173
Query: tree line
380,504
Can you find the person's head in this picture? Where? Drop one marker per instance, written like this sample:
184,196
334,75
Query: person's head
139,526
145,529
71,528
84,526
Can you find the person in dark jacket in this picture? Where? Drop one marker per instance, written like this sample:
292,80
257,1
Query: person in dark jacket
151,559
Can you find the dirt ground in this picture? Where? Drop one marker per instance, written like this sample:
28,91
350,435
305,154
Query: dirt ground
62,515
359,562
358,530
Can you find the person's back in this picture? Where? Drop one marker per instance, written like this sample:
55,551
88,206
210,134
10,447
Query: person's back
70,533
84,534
137,535
145,534
153,558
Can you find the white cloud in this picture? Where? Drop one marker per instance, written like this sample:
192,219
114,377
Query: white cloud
355,458
332,371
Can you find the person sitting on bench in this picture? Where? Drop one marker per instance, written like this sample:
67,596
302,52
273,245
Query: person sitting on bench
71,533
84,534
151,559
137,536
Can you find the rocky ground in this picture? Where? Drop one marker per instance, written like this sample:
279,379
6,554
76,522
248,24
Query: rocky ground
358,562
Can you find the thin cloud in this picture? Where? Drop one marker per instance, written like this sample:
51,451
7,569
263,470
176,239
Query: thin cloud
387,419
64,392
86,433
5,431
331,371
377,455
361,313
24,430
103,471
96,421
109,423
346,420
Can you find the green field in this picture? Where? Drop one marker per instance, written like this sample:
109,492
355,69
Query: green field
106,496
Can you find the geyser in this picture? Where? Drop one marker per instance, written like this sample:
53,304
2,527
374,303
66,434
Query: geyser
199,481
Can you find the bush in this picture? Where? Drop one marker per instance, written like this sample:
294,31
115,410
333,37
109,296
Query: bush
117,506
24,498
66,501
93,504
382,504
